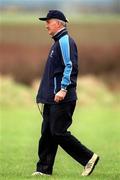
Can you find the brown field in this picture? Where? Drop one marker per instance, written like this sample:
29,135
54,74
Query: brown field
24,49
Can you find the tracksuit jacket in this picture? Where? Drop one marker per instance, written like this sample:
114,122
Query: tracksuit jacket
61,70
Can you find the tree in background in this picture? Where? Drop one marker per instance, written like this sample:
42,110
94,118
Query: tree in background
116,6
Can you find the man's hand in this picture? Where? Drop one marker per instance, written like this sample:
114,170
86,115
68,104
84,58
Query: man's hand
60,95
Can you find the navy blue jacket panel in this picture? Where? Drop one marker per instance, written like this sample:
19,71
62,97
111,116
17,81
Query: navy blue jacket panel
61,70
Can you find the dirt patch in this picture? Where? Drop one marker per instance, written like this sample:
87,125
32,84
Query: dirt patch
24,50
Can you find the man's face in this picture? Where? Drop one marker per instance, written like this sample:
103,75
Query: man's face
52,26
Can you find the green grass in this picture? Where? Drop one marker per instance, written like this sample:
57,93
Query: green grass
97,127
96,124
16,18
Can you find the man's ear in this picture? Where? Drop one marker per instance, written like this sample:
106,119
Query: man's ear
59,24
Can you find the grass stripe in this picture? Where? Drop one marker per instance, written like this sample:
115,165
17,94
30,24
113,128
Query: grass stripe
10,18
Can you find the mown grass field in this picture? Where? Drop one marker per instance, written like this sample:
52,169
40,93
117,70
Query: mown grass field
97,127
96,124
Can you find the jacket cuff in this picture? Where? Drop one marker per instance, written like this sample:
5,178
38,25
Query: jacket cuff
63,87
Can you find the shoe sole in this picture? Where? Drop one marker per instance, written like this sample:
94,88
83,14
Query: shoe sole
41,174
94,165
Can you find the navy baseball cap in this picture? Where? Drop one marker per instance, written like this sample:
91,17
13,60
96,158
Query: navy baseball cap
54,14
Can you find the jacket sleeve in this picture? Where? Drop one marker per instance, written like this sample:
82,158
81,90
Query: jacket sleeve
65,50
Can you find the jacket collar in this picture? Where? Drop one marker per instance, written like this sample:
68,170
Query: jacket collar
61,33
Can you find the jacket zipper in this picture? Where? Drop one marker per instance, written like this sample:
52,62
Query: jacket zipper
55,85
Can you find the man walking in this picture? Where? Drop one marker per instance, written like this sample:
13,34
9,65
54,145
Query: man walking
57,92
